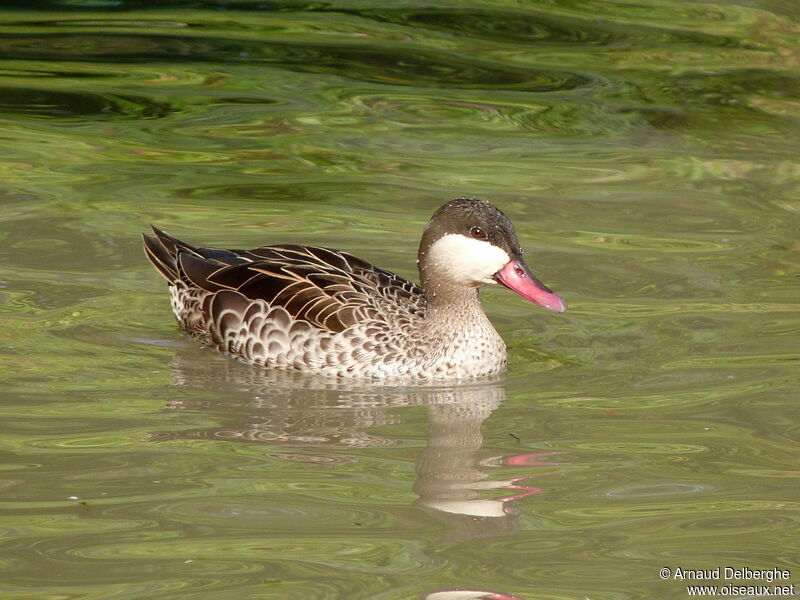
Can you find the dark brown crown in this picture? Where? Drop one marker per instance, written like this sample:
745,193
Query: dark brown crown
461,216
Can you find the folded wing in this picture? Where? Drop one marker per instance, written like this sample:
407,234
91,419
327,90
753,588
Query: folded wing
329,289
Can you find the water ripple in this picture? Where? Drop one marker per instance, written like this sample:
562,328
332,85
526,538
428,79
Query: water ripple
52,104
646,153
376,64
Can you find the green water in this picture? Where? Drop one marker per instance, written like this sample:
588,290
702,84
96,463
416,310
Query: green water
649,156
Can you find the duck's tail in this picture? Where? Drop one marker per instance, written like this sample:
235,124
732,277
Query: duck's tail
162,250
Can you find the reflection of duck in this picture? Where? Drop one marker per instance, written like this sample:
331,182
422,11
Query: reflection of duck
468,595
323,311
285,408
302,418
453,478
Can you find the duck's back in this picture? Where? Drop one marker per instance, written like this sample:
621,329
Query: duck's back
291,306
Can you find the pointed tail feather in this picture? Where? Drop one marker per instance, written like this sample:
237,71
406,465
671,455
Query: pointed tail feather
163,249
161,258
172,244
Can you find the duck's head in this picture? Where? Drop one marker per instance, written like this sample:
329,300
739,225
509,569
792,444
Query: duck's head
470,243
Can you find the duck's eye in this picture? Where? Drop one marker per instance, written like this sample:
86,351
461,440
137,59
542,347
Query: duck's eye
478,233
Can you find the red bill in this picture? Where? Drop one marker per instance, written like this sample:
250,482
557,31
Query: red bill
516,276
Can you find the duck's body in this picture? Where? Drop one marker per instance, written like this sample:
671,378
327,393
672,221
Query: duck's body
327,312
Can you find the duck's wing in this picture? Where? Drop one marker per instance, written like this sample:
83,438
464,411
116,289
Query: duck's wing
329,289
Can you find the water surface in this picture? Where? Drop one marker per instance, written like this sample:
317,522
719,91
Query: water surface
648,156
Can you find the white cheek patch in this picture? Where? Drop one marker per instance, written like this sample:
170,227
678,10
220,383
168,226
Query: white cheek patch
466,260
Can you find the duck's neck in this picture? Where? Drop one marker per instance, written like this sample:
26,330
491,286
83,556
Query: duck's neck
459,339
456,305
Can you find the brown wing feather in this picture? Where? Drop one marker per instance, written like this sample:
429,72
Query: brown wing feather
329,289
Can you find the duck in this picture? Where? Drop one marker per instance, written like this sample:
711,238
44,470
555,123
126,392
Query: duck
326,312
